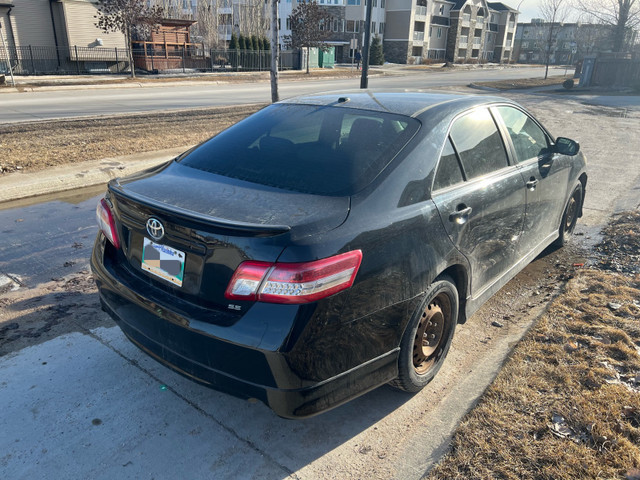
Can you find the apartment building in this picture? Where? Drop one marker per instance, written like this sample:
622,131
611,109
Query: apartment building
460,31
569,42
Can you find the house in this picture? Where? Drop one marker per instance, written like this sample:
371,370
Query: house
46,36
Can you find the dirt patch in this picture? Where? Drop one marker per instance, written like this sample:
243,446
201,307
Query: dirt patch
620,249
36,146
32,316
524,83
567,403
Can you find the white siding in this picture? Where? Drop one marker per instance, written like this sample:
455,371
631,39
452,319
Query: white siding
31,21
81,28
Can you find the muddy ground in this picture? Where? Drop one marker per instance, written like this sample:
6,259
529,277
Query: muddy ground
39,145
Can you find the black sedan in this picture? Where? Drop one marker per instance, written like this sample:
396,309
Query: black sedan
329,244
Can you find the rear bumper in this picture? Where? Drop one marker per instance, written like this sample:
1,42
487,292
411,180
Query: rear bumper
235,359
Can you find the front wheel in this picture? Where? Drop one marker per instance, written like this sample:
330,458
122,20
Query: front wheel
570,216
428,336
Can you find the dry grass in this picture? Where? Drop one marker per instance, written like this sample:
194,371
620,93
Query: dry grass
567,403
35,146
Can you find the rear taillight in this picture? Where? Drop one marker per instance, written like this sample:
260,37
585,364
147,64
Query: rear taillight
294,282
106,223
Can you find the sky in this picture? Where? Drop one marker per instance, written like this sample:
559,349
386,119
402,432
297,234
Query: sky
528,9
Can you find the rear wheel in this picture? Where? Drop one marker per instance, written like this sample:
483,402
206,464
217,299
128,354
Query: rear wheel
428,336
570,216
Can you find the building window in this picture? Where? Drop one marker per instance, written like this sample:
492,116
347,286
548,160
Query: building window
375,3
439,32
373,27
353,2
351,26
430,32
381,28
441,10
382,3
335,25
288,23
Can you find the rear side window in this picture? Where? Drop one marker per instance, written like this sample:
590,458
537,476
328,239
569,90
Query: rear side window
479,144
311,149
449,172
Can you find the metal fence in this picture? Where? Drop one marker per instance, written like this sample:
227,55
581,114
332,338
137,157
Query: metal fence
43,60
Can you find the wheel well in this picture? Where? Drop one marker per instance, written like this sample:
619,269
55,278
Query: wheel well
583,181
460,278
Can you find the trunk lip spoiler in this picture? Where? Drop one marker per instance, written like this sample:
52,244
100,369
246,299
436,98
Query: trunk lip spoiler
245,227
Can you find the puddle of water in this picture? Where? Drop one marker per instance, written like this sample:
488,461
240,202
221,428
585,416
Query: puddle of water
73,197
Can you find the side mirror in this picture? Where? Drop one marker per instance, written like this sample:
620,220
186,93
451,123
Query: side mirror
566,146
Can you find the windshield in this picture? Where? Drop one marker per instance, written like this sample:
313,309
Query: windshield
310,149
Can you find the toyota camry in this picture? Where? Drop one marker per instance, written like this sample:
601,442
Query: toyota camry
330,244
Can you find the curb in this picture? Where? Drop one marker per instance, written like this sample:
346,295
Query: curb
19,185
481,87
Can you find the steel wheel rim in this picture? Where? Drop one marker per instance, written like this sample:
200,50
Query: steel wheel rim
431,334
571,213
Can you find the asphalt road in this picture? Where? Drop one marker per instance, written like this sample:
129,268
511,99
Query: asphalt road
42,105
90,405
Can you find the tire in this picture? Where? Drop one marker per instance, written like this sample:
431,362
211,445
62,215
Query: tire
436,316
570,216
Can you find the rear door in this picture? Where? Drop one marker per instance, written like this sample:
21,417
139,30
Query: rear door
480,197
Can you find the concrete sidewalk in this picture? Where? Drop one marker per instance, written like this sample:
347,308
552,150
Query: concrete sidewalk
19,185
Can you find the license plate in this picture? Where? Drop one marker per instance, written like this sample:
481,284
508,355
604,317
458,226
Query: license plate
162,261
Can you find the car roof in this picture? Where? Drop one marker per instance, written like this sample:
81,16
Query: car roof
411,104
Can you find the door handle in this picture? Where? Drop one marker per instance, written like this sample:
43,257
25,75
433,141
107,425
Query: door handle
532,183
461,215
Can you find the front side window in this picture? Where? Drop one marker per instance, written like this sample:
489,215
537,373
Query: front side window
478,143
312,149
528,139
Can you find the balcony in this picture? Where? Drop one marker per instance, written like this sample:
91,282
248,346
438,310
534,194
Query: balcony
479,20
512,25
464,41
421,11
418,36
466,18
477,41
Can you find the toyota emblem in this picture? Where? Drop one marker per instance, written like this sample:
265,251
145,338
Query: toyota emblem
155,228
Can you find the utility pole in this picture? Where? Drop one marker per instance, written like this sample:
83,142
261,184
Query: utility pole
275,51
364,80
4,45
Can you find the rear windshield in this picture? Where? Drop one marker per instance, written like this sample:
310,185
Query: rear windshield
311,149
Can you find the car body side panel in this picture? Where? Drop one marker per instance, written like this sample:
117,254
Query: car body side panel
490,235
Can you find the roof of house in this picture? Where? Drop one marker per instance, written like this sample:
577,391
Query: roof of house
438,20
500,6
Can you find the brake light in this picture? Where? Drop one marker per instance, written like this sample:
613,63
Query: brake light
106,222
294,282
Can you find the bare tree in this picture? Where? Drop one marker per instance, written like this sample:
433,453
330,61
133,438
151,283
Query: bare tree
592,37
253,17
130,17
553,12
624,15
309,28
206,26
